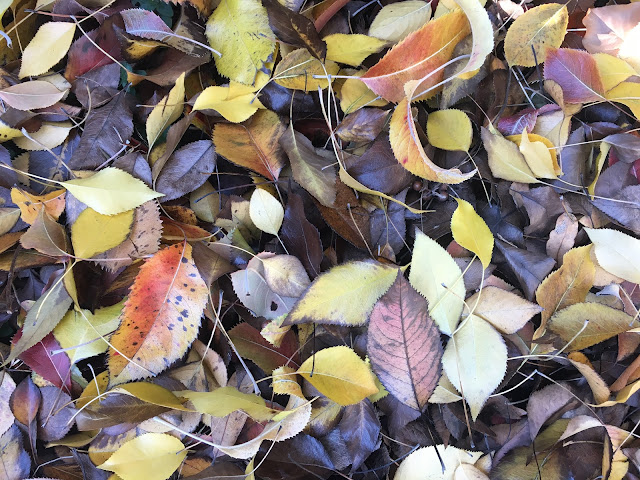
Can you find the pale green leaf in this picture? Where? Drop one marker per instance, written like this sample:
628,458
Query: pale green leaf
475,360
439,279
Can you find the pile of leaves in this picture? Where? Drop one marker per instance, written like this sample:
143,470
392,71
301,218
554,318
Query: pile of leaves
278,239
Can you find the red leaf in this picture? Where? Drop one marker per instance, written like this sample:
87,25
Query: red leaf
55,368
404,345
577,74
161,317
252,345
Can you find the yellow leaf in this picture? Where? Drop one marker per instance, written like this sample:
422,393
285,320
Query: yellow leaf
352,49
47,47
627,93
540,27
438,278
449,130
339,374
235,103
285,382
585,324
354,94
345,295
30,205
505,159
539,153
265,211
167,111
471,232
152,456
225,400
616,252
111,191
239,30
8,218
48,136
613,70
598,386
8,133
151,393
567,285
81,333
298,68
424,463
506,311
475,360
94,233
95,387
397,20
482,36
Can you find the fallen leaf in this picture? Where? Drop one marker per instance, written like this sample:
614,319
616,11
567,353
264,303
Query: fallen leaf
49,45
300,71
352,49
167,111
435,462
615,252
165,304
222,401
404,346
31,95
397,20
266,212
506,311
538,28
115,229
339,374
449,130
471,232
235,102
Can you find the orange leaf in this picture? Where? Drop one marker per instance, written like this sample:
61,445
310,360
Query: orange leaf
409,152
30,205
422,54
161,317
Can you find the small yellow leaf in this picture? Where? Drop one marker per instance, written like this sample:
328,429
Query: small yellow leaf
8,133
449,130
94,233
616,252
266,212
225,400
539,153
48,136
152,456
111,191
345,295
505,159
48,46
354,94
167,111
235,103
151,393
471,232
339,374
352,49
540,27
298,69
397,20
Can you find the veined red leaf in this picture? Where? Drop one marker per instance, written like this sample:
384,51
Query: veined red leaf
404,345
161,317
577,74
423,52
42,359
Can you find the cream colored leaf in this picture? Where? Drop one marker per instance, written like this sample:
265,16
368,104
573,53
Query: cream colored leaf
616,252
506,311
424,463
94,233
266,212
110,191
167,111
152,456
345,295
397,20
438,278
352,49
585,324
475,360
339,374
49,45
537,29
47,137
239,30
449,130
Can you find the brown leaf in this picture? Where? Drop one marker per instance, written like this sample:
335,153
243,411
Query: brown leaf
300,237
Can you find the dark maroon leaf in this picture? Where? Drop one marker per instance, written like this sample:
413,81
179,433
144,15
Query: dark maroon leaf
530,268
295,29
47,360
187,169
360,429
250,344
300,237
404,345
